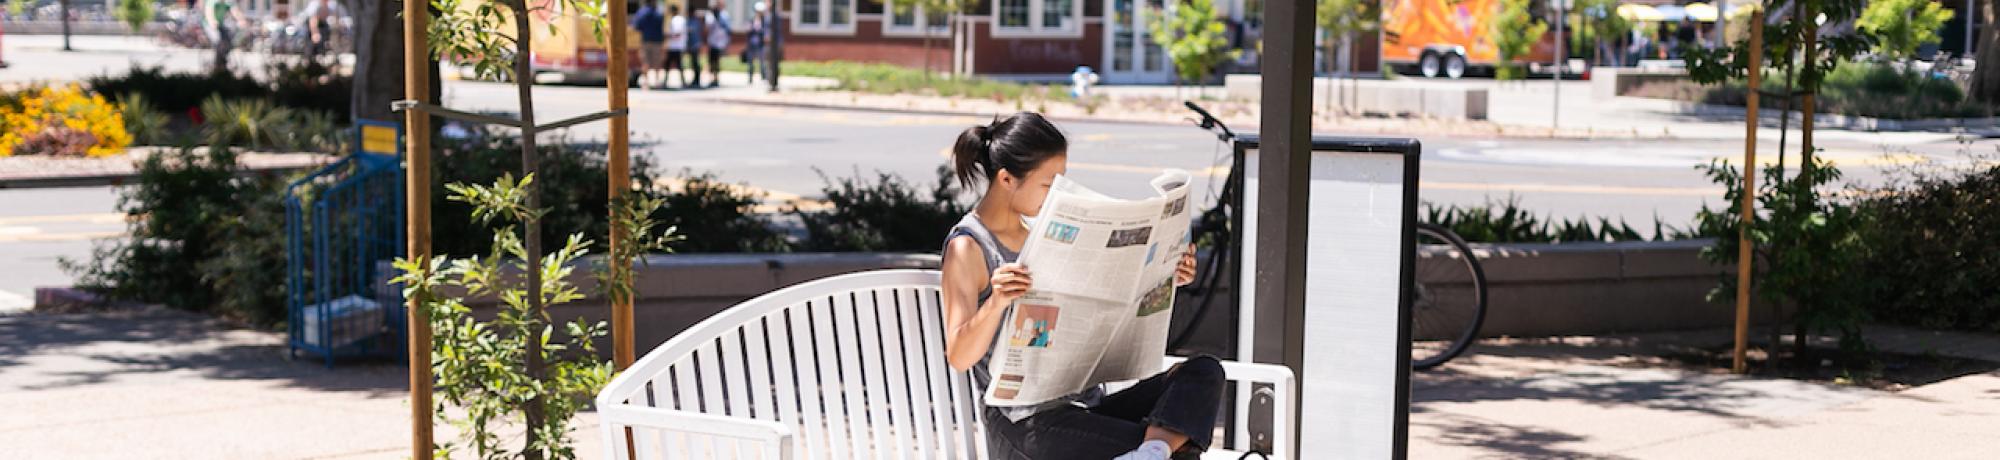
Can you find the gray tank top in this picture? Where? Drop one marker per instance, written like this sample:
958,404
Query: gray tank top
996,255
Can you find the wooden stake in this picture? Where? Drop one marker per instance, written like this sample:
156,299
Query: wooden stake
620,172
619,178
417,190
1744,249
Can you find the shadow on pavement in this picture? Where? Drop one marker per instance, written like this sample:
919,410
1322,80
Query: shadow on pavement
52,351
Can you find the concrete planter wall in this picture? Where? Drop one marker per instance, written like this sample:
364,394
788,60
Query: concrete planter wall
1384,97
1533,289
1599,288
676,291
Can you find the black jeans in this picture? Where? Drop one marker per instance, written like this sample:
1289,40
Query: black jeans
1185,398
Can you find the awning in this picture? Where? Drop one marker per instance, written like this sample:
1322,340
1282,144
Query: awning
1640,13
1701,12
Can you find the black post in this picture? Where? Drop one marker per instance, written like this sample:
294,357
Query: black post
63,11
1284,156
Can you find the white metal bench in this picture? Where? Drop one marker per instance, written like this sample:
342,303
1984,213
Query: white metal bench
846,367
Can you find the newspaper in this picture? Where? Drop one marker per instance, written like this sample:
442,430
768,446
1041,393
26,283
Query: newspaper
1098,311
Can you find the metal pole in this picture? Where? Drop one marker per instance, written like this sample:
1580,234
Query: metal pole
1562,54
1744,252
1971,18
63,10
416,87
1283,163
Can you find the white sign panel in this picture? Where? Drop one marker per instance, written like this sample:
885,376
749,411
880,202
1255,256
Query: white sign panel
1353,387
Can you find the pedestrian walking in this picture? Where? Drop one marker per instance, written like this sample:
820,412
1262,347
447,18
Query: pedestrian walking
677,31
697,37
223,19
651,24
718,40
753,44
774,44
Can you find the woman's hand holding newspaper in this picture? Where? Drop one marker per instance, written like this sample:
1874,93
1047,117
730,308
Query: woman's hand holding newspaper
1009,282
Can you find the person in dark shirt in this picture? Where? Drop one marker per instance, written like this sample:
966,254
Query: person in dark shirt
652,26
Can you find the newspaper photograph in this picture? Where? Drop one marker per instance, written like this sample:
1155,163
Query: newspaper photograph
1104,281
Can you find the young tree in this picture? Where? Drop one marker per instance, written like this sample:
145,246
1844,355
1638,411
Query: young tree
1798,233
1599,25
1193,35
470,30
1514,32
1341,19
135,13
1899,27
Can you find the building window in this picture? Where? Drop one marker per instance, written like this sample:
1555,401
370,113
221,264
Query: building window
823,17
1013,13
1018,18
913,21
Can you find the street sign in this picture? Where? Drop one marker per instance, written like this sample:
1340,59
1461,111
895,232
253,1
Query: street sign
378,137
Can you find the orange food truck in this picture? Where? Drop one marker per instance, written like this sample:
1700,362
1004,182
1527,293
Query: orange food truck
1447,38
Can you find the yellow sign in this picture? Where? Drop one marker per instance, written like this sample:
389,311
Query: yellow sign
378,139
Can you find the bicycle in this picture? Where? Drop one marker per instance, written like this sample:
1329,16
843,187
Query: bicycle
1448,297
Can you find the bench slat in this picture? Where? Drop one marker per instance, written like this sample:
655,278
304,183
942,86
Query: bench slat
833,410
895,371
682,446
874,392
924,424
801,404
758,366
851,375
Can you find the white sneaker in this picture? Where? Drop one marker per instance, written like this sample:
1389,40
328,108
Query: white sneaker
1153,449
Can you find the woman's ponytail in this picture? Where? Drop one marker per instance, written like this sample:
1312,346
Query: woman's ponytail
971,157
1016,144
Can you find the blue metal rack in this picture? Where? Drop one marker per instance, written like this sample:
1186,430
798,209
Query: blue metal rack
343,223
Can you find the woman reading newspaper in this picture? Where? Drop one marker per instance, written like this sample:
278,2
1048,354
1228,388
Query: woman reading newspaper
1167,415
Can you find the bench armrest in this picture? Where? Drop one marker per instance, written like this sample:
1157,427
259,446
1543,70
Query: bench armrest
1284,391
774,437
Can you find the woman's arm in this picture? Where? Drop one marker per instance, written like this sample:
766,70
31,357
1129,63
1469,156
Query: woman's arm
969,324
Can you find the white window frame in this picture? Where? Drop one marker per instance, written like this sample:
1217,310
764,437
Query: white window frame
800,27
923,26
1035,27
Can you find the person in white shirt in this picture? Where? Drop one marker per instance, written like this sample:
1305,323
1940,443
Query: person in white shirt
677,36
718,40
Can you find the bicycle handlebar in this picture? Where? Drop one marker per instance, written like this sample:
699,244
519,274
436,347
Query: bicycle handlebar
1208,121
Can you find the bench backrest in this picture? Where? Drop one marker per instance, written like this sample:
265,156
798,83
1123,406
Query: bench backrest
854,364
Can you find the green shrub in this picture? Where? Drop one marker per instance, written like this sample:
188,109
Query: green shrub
178,92
145,122
895,79
1507,222
713,216
1805,242
885,215
1933,254
201,238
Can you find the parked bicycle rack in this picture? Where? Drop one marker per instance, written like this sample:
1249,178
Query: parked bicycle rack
341,223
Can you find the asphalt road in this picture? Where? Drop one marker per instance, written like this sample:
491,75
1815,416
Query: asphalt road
787,150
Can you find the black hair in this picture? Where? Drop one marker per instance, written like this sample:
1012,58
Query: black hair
1015,144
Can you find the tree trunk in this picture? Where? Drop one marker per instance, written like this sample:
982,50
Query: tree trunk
378,59
1986,79
524,84
62,10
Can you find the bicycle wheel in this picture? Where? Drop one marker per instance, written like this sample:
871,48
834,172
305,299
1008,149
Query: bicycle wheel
1448,300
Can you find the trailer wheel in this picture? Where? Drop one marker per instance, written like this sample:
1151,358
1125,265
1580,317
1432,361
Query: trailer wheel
1454,66
1429,66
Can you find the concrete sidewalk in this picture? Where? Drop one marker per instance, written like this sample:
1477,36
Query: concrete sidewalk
1613,398
165,384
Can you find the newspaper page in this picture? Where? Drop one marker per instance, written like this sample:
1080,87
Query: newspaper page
1098,312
